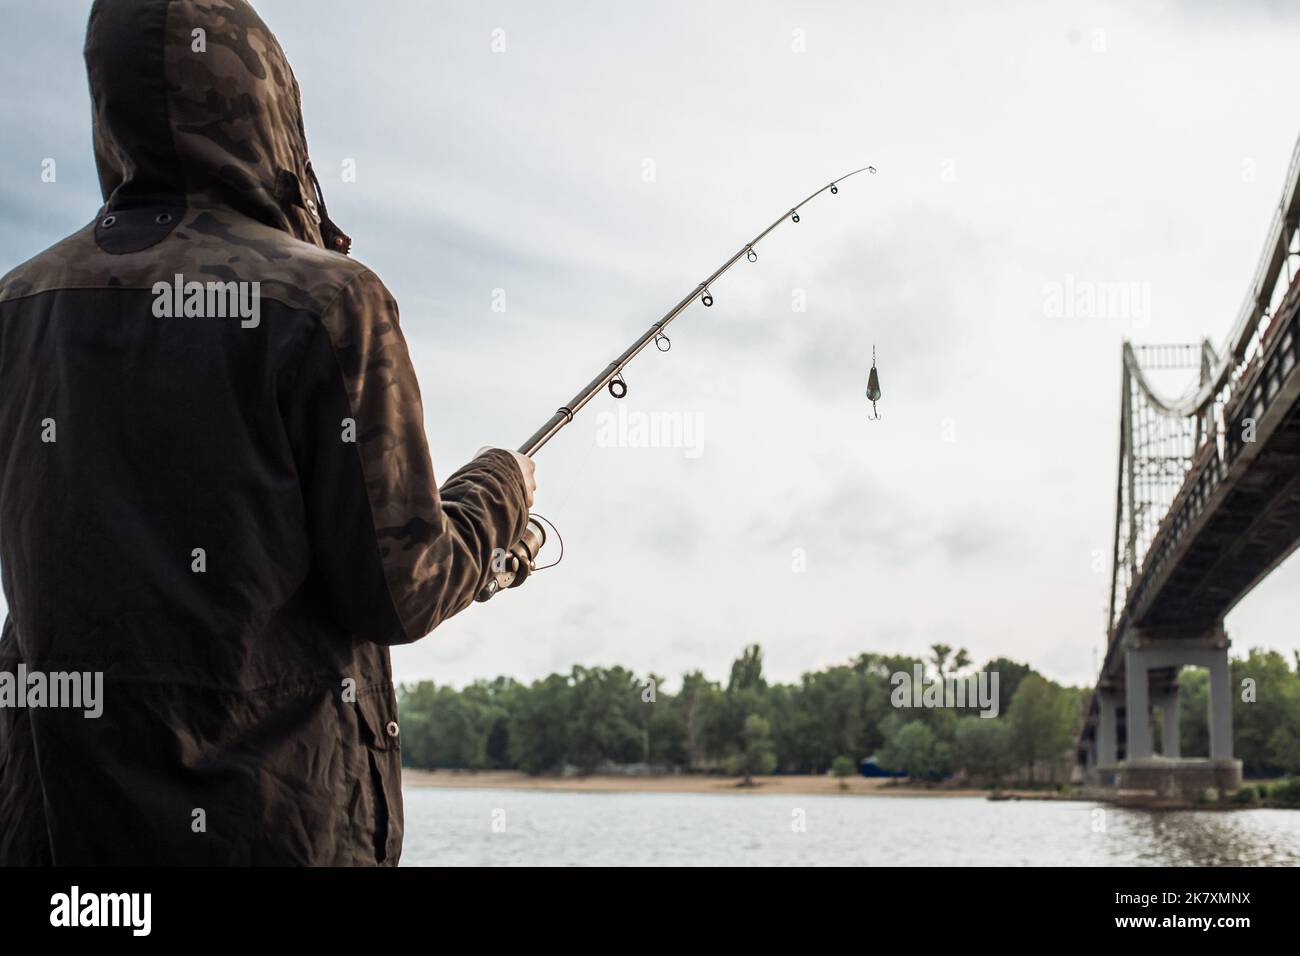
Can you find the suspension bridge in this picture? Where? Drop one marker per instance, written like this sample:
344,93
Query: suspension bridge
1207,504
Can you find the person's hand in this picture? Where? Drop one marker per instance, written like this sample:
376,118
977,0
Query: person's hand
527,470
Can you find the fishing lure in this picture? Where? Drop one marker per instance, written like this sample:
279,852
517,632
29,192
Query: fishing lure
873,387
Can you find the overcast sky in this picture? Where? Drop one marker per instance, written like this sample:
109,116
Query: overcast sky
590,173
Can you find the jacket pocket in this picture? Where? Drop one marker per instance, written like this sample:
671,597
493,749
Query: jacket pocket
377,708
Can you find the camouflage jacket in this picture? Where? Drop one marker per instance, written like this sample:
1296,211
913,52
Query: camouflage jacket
215,490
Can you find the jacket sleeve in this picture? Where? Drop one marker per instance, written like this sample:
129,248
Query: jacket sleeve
397,555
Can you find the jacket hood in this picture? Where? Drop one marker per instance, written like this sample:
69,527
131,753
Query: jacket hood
195,104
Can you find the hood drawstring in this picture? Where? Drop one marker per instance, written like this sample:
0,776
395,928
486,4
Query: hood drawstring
335,239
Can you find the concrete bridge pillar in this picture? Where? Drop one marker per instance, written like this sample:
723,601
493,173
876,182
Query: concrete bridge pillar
1171,773
1211,653
1137,705
1107,728
1220,706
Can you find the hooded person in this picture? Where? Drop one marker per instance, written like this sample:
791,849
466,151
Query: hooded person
215,490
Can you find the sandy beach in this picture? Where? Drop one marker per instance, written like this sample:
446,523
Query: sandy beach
680,783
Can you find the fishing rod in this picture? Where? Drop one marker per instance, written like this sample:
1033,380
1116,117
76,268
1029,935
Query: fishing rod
523,555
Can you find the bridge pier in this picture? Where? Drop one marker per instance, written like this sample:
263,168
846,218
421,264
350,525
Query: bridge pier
1170,773
1220,707
1107,728
1138,704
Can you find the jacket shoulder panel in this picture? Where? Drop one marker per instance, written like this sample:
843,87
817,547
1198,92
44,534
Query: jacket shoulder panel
209,245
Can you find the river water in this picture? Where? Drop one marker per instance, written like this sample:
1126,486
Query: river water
527,828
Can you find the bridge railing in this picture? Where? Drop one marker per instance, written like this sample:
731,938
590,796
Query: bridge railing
1273,277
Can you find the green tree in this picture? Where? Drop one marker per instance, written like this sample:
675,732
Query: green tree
982,746
828,713
594,715
842,768
1284,749
747,671
539,725
756,755
1193,698
604,715
414,712
911,747
939,657
746,694
1044,721
664,720
697,707
1265,729
1010,674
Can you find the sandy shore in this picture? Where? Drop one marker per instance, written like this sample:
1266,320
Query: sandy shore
675,783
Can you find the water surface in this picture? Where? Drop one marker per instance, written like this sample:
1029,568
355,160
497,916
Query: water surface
526,828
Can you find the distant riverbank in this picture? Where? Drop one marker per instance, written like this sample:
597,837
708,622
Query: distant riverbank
690,783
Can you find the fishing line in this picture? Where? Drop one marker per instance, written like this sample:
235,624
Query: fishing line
550,524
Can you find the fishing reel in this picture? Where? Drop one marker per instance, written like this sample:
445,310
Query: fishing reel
511,568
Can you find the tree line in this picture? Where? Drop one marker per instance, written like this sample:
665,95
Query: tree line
595,718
